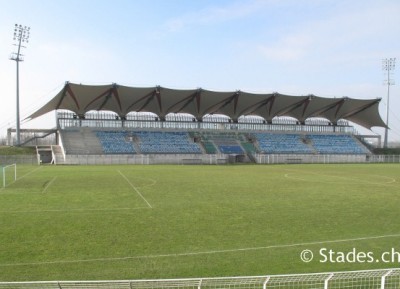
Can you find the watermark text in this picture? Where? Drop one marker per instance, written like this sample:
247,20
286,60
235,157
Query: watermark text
327,255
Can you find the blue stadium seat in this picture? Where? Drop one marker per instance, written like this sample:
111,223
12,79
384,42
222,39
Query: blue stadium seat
115,142
336,144
157,142
230,149
225,142
279,143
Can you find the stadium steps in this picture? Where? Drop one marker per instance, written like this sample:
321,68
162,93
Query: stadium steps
202,148
136,145
58,157
364,143
364,146
210,147
305,139
81,141
44,154
249,149
224,142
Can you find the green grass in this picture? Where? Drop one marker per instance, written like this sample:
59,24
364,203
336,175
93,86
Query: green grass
10,150
142,222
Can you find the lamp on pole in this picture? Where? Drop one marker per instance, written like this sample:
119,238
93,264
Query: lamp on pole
388,65
21,35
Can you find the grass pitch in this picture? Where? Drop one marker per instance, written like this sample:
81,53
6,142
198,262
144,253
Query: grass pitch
143,222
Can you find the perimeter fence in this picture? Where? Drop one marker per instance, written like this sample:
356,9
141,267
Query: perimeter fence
370,279
200,159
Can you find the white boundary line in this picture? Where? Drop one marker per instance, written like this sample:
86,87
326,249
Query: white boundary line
201,252
28,173
76,210
133,187
48,184
354,180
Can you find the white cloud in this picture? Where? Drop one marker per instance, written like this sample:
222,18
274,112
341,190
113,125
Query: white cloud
352,33
215,14
288,48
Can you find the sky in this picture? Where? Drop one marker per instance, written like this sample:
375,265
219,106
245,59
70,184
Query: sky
329,48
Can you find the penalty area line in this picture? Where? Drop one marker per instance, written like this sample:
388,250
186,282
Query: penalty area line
23,176
201,252
133,187
76,210
48,184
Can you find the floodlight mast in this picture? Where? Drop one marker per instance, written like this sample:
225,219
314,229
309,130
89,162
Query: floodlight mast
388,65
21,34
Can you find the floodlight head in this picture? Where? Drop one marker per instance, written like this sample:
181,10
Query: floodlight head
21,33
389,64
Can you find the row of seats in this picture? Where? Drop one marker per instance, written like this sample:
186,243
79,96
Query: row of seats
221,141
209,147
336,144
152,142
222,136
115,142
230,149
272,143
275,143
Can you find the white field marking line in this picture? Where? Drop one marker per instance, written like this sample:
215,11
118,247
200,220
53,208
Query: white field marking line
354,181
392,180
201,252
76,210
48,184
28,173
137,191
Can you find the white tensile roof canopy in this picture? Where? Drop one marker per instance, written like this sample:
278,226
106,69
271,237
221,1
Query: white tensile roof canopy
161,101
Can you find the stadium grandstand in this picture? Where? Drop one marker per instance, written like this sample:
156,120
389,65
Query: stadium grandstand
147,125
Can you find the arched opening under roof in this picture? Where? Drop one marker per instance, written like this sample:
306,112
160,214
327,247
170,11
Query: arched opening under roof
285,120
142,116
218,118
251,119
317,121
179,117
181,121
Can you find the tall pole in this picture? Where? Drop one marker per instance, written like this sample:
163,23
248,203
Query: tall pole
21,34
17,106
388,65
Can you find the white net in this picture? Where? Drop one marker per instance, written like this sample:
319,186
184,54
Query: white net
8,175
371,279
392,279
366,279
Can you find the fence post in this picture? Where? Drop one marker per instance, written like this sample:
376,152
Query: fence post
200,282
265,282
383,279
326,282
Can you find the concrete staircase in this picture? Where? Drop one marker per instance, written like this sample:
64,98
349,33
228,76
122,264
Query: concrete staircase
81,141
58,156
